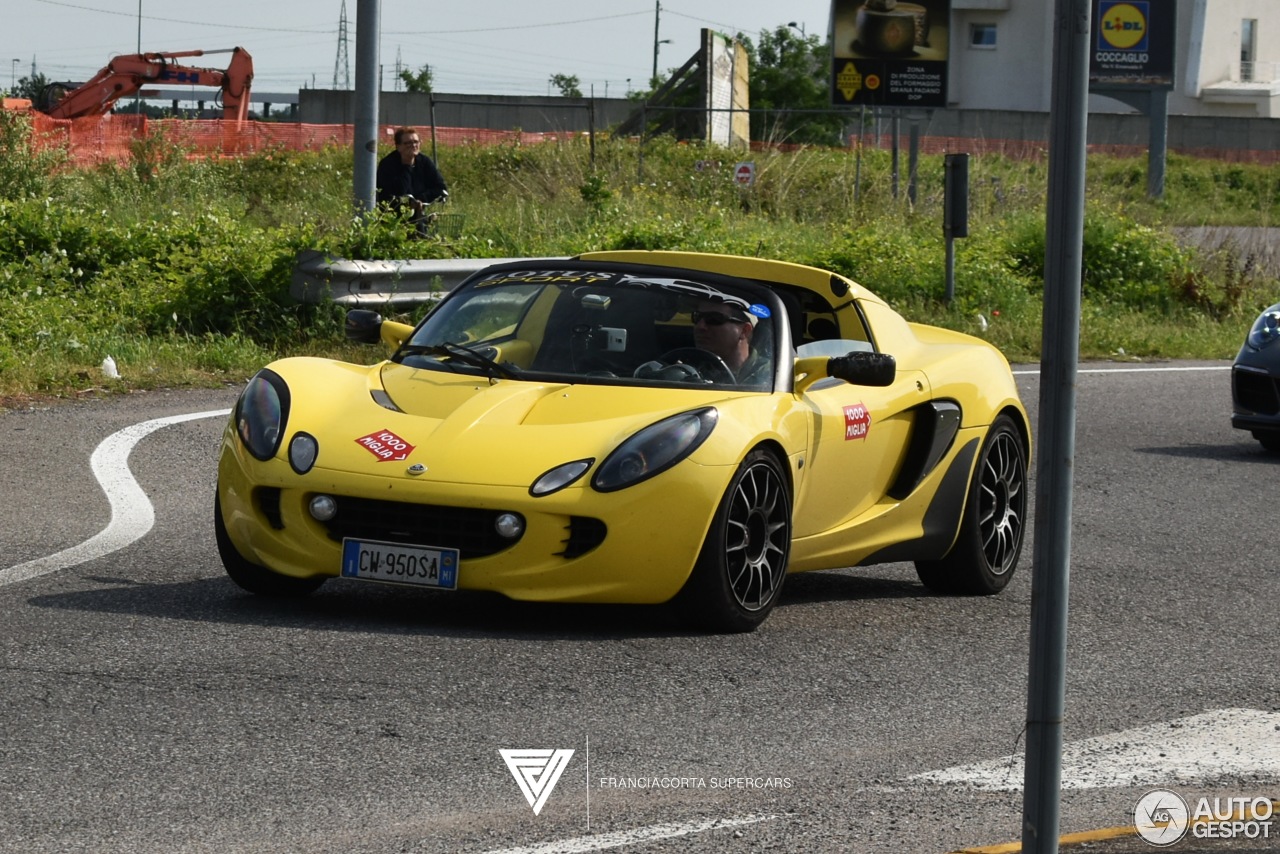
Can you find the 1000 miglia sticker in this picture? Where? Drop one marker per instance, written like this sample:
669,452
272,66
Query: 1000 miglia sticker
386,446
857,422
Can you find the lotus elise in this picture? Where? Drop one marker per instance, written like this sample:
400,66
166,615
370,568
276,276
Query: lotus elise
631,427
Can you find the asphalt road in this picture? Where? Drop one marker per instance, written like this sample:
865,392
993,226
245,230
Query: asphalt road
147,705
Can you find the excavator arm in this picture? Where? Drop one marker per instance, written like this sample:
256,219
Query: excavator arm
126,75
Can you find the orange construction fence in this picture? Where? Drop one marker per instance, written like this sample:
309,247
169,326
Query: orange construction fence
109,138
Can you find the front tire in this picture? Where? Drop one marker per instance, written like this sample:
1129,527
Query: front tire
743,563
986,551
252,577
1269,441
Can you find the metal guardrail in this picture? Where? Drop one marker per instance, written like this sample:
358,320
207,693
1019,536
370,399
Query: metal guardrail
318,278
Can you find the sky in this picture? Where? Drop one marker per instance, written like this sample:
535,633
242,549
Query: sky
499,47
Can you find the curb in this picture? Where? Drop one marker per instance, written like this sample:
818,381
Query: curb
1083,837
1069,839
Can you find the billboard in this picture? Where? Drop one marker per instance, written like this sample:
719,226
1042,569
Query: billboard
726,90
1133,42
890,54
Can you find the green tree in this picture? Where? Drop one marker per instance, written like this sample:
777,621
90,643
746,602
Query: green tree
789,81
417,82
567,84
31,87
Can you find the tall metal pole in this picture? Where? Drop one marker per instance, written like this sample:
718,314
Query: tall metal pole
657,11
913,157
1046,688
1157,148
365,138
896,125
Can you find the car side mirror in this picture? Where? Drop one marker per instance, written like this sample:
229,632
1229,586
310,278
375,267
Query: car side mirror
368,327
872,369
856,367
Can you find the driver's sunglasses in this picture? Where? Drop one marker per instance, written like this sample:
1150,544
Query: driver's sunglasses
713,318
411,142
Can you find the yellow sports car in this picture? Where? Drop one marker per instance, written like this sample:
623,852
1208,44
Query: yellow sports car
641,427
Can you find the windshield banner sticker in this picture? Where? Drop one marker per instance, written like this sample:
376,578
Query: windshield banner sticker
543,277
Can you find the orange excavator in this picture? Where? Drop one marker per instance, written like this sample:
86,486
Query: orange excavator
126,75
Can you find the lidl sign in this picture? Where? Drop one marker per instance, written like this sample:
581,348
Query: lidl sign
1133,42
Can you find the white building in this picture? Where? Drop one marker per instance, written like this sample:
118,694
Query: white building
1226,55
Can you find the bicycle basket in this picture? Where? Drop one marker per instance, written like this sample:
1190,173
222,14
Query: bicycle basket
448,225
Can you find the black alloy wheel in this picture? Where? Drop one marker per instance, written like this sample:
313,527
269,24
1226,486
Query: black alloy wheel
994,523
743,563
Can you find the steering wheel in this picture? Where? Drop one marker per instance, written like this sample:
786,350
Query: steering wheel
705,365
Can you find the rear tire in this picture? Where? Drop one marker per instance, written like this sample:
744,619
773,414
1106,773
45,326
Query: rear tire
252,577
986,551
743,563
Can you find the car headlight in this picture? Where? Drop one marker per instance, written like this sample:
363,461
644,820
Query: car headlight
1265,329
261,413
655,449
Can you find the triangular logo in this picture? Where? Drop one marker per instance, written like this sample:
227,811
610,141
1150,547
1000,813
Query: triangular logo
536,772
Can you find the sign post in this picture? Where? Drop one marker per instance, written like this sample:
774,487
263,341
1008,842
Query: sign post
955,211
1132,60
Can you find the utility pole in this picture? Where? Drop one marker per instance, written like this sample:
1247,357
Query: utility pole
137,102
657,12
1055,463
365,99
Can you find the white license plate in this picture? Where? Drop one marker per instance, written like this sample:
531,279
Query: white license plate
401,564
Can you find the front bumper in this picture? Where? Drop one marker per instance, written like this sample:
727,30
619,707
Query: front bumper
1255,398
637,545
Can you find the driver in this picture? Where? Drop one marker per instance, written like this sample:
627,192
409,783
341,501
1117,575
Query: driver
726,329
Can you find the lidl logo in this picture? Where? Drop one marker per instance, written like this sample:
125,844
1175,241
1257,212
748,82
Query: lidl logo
1122,26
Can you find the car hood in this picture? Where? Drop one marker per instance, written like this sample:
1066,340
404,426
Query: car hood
466,429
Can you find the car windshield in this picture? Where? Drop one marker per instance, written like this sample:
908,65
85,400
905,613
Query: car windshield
605,327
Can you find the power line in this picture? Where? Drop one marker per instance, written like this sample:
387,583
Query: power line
514,27
132,16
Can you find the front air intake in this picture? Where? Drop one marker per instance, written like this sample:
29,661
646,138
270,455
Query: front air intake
585,534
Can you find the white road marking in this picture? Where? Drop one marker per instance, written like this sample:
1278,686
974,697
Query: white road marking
131,512
1136,370
620,838
1202,748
